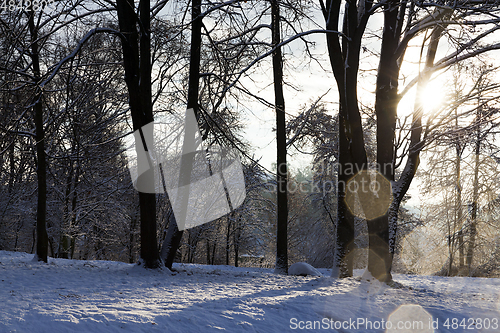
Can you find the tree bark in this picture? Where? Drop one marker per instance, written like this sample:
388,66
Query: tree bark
236,241
281,266
344,245
475,194
383,230
12,166
137,63
208,250
386,103
228,235
458,242
174,235
41,168
344,59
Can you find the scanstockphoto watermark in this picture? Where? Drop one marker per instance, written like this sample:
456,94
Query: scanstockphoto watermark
360,324
332,169
25,5
326,186
360,180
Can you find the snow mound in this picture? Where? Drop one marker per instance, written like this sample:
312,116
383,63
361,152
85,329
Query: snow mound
303,269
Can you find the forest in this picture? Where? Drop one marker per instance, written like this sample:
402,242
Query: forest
382,115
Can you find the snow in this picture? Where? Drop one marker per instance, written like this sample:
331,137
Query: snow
103,296
303,268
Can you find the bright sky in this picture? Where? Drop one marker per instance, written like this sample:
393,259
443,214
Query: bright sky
311,79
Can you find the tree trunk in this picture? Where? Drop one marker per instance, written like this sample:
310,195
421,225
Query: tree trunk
66,245
236,241
132,230
137,63
41,170
64,241
458,242
475,195
383,230
343,258
228,235
12,166
236,254
189,247
208,251
461,249
379,255
344,59
171,243
147,201
174,236
386,103
281,166
72,221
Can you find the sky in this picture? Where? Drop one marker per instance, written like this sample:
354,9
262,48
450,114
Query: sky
306,80
315,78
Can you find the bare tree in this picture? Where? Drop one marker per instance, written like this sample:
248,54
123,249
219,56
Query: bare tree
137,63
403,21
281,166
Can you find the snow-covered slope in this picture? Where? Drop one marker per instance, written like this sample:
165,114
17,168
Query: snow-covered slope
102,296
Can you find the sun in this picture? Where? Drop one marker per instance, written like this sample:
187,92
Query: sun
433,96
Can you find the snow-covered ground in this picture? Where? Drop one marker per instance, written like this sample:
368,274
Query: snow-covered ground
103,296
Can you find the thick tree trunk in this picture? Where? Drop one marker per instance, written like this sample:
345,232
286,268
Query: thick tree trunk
281,166
41,170
147,201
343,257
344,59
42,238
379,255
137,62
386,103
344,242
383,230
174,235
236,254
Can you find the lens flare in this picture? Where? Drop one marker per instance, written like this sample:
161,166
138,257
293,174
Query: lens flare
410,318
368,194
